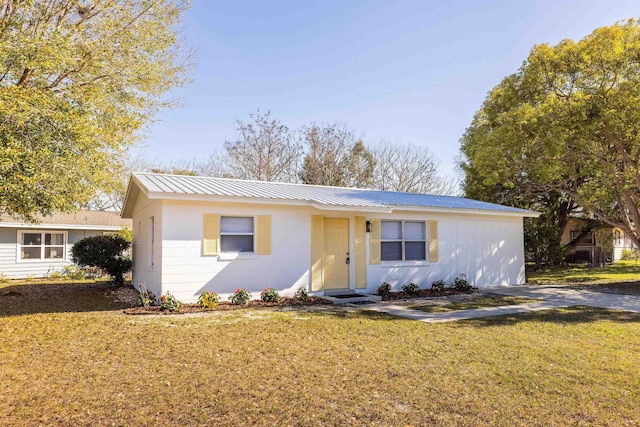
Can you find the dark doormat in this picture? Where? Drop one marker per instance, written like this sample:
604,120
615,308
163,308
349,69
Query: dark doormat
345,296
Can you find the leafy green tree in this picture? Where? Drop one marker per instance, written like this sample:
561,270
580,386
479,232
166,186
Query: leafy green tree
78,82
108,253
566,126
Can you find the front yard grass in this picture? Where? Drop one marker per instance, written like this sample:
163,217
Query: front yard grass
324,367
475,302
623,277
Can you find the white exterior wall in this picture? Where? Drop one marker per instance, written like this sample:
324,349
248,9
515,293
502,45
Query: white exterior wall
488,249
186,273
12,267
147,261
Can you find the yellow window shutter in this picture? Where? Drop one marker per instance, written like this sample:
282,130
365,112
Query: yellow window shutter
263,235
211,235
374,242
317,244
360,247
433,241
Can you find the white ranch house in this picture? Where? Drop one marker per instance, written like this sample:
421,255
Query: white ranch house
39,249
199,233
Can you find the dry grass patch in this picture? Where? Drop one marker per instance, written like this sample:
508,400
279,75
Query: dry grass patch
471,303
324,367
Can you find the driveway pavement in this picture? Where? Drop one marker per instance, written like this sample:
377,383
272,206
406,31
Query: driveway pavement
552,297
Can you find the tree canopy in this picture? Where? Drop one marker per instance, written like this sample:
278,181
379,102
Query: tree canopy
564,130
78,82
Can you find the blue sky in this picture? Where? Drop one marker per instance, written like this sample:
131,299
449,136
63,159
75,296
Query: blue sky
407,71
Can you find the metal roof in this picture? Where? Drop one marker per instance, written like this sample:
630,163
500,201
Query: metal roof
159,186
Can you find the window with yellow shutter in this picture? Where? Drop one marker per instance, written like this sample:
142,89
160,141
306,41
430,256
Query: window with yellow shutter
236,234
403,241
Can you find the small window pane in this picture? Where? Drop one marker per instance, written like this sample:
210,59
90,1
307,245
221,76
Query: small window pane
54,239
31,239
229,224
236,243
414,230
391,251
53,252
30,252
415,251
390,230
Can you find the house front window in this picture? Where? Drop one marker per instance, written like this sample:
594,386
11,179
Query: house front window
236,234
37,245
403,241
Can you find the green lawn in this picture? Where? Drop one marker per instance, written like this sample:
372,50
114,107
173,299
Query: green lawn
88,364
622,275
475,302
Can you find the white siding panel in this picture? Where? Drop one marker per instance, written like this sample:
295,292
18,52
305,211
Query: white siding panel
489,252
186,273
144,273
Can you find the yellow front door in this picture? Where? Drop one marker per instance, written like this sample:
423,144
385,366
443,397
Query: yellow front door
336,252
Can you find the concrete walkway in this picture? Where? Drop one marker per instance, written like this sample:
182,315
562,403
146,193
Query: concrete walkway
552,297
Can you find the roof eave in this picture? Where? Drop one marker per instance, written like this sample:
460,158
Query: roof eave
62,226
523,213
130,197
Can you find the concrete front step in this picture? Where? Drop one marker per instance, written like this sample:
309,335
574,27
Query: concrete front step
352,298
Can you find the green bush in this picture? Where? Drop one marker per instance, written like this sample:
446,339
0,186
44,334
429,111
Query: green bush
240,297
169,302
270,295
302,294
105,252
438,286
208,299
384,290
630,255
461,284
411,288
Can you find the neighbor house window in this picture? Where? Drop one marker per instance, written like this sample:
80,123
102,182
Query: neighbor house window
617,237
403,241
236,234
40,245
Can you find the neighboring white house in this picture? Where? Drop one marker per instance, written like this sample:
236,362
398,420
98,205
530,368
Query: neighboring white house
44,248
602,245
193,234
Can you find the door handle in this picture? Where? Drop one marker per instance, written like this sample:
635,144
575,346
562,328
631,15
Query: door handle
348,259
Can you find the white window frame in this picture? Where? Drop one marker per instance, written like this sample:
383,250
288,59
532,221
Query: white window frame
403,241
42,246
151,241
253,234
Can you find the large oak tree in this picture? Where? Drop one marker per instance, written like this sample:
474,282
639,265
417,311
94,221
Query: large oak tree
563,132
79,80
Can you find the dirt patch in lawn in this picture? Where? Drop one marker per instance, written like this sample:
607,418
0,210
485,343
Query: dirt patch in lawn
63,297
